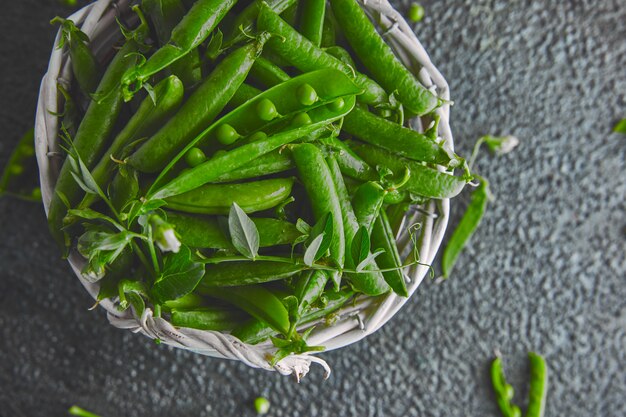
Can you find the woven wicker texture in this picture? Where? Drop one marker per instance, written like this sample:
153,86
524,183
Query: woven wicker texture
354,322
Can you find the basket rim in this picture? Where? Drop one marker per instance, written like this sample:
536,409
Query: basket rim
353,325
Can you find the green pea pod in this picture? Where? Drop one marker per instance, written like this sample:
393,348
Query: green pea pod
369,281
167,97
93,132
311,20
236,273
165,15
84,65
190,301
271,163
255,331
329,84
341,54
218,198
396,138
305,56
19,177
206,102
205,232
208,318
379,59
244,22
424,181
383,238
328,30
255,300
350,163
396,214
367,201
309,288
123,188
504,392
188,34
538,385
466,228
318,182
268,73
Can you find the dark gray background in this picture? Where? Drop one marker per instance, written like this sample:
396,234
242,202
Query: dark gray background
545,271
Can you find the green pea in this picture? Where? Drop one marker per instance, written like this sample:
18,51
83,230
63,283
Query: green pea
226,134
301,119
195,157
266,110
306,95
261,405
337,105
416,12
260,135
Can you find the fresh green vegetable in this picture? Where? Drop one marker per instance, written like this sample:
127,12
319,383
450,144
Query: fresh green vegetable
19,177
379,59
538,385
261,405
620,127
389,261
188,34
416,12
504,392
466,227
76,410
311,19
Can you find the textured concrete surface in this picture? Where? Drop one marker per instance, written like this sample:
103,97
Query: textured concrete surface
546,270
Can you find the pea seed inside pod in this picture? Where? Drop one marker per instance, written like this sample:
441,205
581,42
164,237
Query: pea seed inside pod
337,105
266,110
260,135
306,95
195,157
301,119
226,134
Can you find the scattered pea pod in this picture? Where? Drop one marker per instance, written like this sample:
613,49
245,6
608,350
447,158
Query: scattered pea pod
424,181
188,34
396,138
198,111
218,198
165,15
538,385
301,53
379,59
205,232
466,228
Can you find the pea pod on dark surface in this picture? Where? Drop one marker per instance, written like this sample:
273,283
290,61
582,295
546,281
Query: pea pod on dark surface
167,97
424,181
369,281
84,65
188,34
379,59
255,300
93,132
198,111
205,232
305,56
383,238
165,15
217,198
396,138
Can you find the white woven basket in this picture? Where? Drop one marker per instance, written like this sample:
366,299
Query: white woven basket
354,322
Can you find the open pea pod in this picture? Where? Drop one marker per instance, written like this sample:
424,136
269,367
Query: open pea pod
258,301
246,120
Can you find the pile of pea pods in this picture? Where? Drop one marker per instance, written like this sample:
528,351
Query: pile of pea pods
244,166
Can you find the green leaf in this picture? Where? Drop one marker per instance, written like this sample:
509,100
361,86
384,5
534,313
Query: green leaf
360,245
303,227
179,277
324,227
311,253
361,266
214,48
243,232
620,127
90,214
101,248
